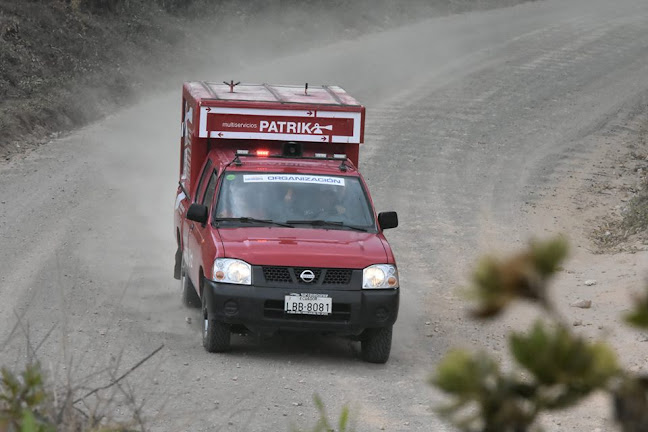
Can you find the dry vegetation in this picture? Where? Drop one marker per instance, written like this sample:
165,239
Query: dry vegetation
628,229
33,400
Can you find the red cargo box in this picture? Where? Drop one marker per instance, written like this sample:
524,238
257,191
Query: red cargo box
272,112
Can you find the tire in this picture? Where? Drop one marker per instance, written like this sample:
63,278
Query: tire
376,344
189,295
216,335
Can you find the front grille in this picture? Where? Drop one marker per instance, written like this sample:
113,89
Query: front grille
337,277
277,274
291,276
275,309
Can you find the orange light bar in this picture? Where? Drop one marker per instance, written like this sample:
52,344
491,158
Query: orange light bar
263,152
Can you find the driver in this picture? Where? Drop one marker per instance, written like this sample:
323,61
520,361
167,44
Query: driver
243,201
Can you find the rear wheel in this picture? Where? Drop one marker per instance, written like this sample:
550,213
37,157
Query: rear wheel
376,344
216,335
189,295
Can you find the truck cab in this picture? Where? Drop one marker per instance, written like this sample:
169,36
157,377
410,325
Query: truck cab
275,226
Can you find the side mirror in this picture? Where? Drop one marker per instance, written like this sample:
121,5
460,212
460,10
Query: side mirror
197,213
386,220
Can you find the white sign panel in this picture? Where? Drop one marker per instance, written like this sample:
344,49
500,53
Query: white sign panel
292,178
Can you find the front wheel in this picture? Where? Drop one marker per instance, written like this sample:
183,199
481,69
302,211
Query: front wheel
376,344
216,335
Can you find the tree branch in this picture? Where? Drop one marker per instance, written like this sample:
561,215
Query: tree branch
121,377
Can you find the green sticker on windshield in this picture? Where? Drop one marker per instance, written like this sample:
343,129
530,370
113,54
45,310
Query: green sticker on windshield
230,176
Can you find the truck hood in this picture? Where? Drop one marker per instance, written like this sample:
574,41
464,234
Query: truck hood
299,247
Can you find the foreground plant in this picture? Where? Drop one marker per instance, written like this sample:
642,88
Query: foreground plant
324,424
22,401
555,369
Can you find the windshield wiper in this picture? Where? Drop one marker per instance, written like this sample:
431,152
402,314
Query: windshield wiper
321,222
252,220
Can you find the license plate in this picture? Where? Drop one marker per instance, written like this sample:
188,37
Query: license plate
308,304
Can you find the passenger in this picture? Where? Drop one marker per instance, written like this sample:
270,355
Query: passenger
329,205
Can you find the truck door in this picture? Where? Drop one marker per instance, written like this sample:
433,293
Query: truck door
198,233
189,226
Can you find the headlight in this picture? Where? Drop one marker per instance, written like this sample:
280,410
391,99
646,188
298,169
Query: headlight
380,276
228,270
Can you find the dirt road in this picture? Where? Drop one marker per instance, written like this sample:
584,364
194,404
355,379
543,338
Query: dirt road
471,120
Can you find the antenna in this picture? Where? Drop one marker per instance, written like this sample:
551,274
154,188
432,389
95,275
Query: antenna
306,90
231,85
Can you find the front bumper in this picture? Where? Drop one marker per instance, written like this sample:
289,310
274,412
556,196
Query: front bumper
261,309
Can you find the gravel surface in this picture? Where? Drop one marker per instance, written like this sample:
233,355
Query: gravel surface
475,124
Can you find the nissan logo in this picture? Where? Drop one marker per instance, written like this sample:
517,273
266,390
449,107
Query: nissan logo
307,276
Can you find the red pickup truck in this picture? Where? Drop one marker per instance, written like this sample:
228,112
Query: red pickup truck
275,227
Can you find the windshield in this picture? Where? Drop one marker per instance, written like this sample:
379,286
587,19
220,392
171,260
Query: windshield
294,198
